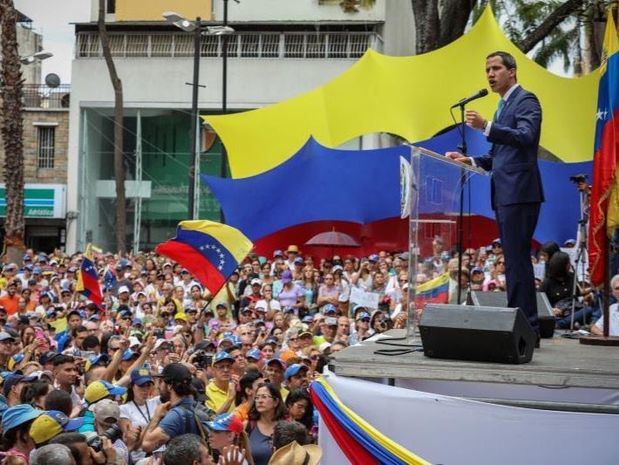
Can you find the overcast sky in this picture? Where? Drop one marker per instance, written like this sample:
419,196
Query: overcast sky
52,18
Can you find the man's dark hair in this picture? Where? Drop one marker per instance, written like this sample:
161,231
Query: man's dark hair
90,342
78,329
183,449
59,400
508,60
286,432
61,359
70,440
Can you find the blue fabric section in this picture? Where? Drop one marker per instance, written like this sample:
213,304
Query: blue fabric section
210,248
375,449
320,184
316,184
608,97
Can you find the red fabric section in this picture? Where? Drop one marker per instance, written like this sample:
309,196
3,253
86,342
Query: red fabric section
351,448
202,269
604,165
390,234
91,286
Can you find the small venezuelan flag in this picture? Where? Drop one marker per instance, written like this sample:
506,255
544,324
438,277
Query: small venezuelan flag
88,279
435,291
210,251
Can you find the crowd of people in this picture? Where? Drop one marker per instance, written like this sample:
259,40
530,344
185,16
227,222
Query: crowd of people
164,372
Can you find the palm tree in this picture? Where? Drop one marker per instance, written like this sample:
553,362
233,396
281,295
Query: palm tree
11,94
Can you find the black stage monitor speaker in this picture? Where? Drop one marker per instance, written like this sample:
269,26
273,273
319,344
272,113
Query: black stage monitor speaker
483,334
499,299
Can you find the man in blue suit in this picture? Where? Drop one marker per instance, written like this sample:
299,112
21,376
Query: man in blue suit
516,184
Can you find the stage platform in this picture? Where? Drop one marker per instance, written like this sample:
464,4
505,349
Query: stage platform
563,375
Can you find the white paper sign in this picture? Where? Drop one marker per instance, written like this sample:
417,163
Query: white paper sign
367,299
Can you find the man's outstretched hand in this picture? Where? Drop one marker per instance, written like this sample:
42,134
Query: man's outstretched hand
457,156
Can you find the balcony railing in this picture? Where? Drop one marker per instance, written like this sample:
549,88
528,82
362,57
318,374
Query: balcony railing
41,96
240,45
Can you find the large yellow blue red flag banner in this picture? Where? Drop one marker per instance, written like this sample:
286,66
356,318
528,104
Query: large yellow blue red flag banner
410,97
604,203
210,251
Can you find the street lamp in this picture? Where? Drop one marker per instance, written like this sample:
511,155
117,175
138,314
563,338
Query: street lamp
38,56
197,29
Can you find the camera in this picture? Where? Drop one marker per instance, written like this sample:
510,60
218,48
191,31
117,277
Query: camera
203,359
578,178
113,433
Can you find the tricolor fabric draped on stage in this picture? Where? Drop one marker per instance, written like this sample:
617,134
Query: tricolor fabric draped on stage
362,444
362,186
410,97
398,425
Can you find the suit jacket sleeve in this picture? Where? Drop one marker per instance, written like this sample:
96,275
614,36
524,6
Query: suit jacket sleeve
527,130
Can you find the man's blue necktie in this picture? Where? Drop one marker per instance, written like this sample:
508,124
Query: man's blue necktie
499,109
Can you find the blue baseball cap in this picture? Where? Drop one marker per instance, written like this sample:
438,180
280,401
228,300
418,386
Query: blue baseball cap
329,308
279,361
141,376
14,379
256,354
18,415
363,315
128,354
308,319
293,370
221,357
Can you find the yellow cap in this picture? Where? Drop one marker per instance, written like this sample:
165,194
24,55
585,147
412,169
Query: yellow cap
44,428
181,316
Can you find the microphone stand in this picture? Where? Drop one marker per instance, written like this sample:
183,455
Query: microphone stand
462,147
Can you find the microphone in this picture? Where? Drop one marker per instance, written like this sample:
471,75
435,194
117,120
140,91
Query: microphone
464,101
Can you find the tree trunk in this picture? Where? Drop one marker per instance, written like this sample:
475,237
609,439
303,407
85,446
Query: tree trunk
119,167
427,25
553,20
12,133
454,17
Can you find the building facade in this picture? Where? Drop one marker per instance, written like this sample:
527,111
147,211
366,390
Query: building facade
46,141
278,49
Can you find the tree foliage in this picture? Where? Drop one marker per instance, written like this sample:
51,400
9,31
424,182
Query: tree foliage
566,30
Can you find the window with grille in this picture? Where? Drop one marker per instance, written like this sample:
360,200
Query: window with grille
46,146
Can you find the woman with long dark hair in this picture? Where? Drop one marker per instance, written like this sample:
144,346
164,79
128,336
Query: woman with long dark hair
559,286
140,407
266,410
248,384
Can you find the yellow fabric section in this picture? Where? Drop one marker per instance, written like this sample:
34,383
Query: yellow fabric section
232,239
59,325
410,97
393,447
151,10
435,282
